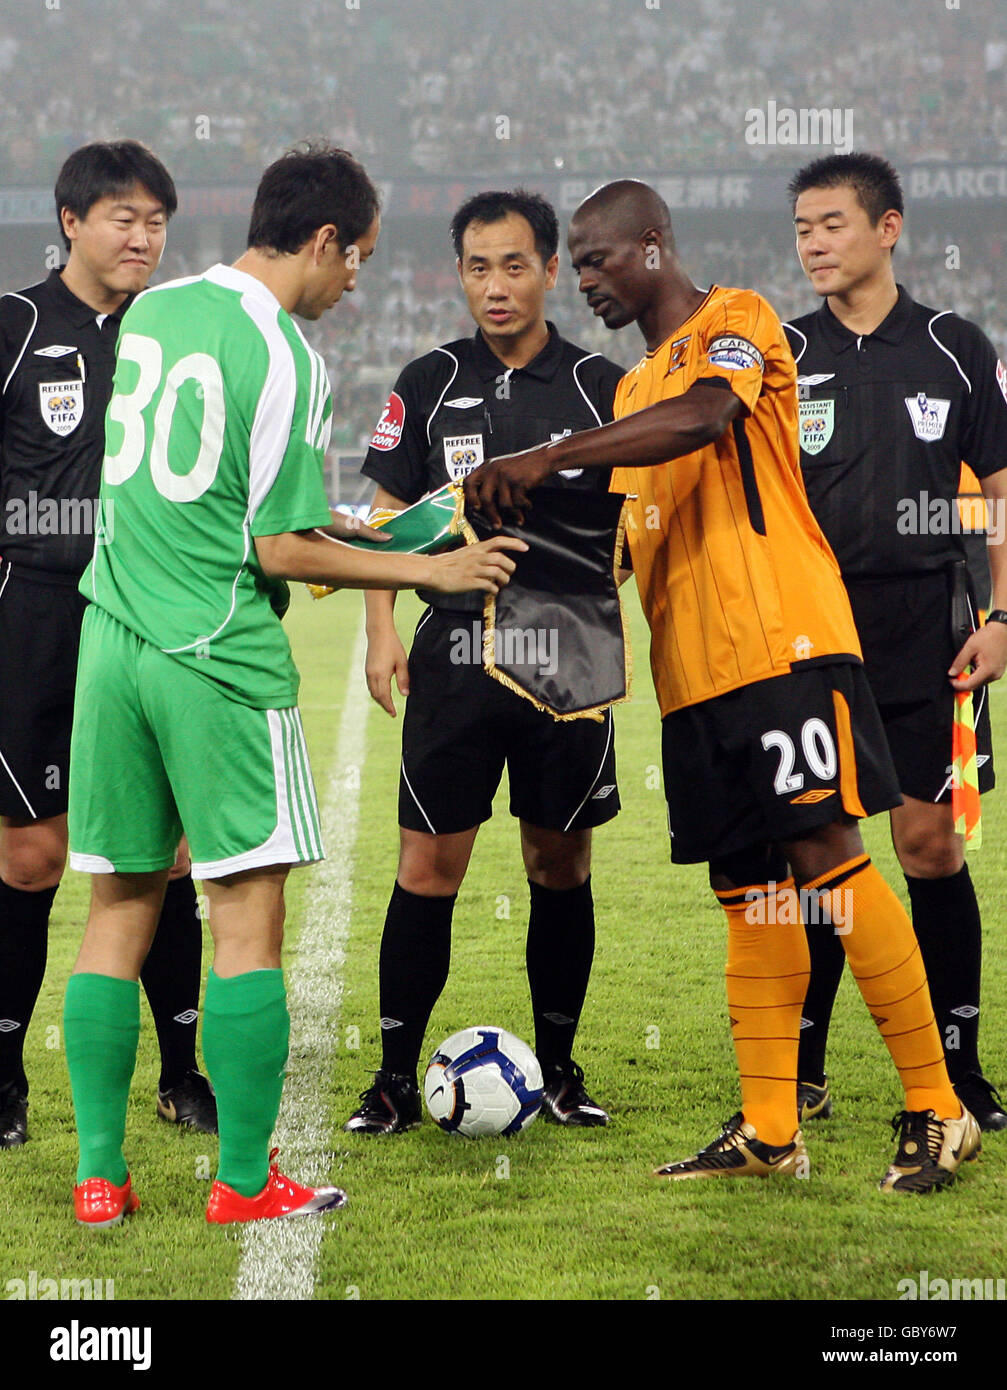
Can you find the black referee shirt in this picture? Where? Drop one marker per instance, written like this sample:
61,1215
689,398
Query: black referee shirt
459,405
57,358
885,422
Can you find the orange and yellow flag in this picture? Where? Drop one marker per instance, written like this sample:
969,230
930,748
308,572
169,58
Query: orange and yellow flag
965,804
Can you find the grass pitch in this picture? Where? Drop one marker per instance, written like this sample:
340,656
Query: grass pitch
549,1214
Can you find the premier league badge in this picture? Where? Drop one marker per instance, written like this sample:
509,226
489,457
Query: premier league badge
929,416
817,421
62,405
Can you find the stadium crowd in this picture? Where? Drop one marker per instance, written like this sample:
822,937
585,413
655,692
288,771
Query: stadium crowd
622,87
409,300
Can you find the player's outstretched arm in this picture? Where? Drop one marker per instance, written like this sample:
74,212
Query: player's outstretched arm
316,558
648,437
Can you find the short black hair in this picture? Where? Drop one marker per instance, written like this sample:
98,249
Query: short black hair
306,188
104,169
873,180
495,205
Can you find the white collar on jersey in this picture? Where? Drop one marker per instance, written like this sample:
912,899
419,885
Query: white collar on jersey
241,282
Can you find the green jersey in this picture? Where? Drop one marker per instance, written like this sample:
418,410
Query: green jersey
216,433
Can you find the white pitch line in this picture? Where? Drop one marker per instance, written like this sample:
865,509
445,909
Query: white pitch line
278,1257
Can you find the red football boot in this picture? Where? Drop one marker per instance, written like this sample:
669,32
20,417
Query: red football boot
281,1196
98,1202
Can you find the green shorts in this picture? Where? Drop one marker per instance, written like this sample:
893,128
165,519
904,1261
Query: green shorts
157,750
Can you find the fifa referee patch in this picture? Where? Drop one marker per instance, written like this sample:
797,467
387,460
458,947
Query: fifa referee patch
463,453
736,354
816,423
62,405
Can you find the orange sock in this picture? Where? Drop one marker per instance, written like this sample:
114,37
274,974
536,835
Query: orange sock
885,959
767,979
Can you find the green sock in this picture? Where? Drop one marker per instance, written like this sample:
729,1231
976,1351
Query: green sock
101,1028
246,1034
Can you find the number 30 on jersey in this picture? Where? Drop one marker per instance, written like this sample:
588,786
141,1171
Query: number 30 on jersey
126,409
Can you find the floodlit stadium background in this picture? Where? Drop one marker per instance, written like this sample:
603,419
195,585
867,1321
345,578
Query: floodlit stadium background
590,89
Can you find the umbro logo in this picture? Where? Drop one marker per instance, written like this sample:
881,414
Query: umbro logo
965,1011
57,350
464,402
807,1023
602,792
812,797
557,1018
387,1023
186,1016
9,1025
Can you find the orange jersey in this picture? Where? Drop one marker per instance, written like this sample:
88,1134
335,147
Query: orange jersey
736,578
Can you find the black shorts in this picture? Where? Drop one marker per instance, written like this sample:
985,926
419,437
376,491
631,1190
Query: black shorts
40,618
905,631
461,726
774,760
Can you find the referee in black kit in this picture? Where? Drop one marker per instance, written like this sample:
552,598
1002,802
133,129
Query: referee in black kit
57,357
893,397
514,384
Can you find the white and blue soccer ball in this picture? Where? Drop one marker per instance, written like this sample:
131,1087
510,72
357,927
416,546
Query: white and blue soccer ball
483,1081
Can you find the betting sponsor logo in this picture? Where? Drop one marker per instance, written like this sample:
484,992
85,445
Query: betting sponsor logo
61,404
463,453
736,354
929,416
388,430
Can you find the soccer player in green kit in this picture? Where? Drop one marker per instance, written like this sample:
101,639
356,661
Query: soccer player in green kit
212,496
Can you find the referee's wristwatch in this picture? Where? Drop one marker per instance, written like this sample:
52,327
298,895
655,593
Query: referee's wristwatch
998,615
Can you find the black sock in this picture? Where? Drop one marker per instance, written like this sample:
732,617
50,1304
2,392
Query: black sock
559,954
170,978
827,961
413,969
24,936
947,926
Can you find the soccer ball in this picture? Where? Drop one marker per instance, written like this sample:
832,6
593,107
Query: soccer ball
483,1081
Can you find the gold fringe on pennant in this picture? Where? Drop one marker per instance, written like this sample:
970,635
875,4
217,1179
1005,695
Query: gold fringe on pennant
597,712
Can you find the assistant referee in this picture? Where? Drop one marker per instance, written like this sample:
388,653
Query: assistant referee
893,397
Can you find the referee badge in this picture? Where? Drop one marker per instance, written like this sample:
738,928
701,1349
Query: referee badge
62,405
463,453
817,421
